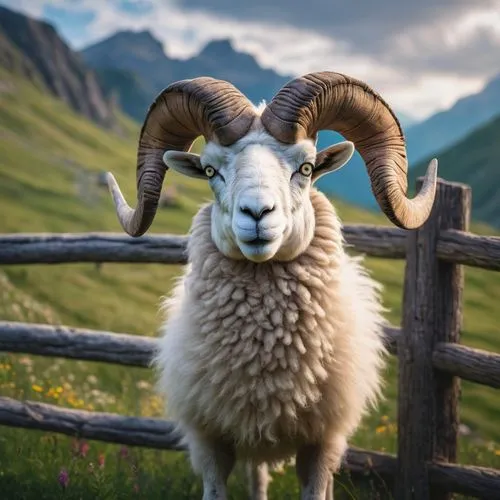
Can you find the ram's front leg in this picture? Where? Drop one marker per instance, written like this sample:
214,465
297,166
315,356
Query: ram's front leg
315,464
214,460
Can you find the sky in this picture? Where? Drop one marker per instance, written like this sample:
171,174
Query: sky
421,55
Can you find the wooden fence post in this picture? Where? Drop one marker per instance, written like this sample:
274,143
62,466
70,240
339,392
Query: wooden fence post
432,312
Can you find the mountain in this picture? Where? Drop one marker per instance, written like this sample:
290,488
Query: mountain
142,55
13,60
126,89
447,127
474,160
34,50
221,60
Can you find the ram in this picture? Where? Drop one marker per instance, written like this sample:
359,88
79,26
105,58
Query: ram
272,346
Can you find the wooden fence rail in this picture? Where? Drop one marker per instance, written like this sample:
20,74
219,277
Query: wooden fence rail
160,434
431,359
476,365
377,241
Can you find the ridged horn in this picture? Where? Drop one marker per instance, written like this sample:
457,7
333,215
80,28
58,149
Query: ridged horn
183,111
332,101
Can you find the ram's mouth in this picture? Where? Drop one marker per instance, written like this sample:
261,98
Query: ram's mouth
259,249
257,242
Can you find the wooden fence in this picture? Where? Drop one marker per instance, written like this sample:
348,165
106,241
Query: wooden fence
431,359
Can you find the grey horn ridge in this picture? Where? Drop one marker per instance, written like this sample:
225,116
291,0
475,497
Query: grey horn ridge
183,111
332,101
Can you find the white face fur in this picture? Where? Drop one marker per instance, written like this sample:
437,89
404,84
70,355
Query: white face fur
262,207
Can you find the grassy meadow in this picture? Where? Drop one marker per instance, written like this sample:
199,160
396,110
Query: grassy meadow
50,160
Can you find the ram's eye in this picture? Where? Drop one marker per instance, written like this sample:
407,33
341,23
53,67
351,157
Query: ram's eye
306,169
209,171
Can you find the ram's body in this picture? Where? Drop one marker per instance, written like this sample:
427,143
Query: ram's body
272,356
272,346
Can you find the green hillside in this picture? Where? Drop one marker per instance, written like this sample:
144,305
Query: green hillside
50,159
474,160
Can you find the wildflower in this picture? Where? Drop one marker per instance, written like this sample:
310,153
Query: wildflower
63,478
143,385
92,379
392,428
380,429
497,453
37,388
26,361
75,446
52,393
384,418
123,453
84,449
101,460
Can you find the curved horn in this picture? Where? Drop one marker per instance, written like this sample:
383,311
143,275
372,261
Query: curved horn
183,111
332,101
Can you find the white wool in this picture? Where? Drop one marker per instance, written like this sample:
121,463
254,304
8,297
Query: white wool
271,355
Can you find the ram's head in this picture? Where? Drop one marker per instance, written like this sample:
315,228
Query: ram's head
261,162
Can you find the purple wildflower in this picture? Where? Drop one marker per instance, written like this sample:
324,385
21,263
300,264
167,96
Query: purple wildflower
63,478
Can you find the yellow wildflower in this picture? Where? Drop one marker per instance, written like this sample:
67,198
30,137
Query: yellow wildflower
37,388
497,453
392,428
380,429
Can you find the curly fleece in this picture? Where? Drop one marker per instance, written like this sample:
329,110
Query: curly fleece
270,356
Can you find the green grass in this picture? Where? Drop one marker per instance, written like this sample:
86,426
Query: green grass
49,160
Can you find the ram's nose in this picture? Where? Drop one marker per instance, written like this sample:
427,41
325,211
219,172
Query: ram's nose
256,211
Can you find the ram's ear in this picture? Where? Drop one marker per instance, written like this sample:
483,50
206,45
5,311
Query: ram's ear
185,163
332,158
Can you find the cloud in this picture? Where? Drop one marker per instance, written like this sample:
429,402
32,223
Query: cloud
421,56
414,36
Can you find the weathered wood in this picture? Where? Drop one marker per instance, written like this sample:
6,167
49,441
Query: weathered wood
76,343
160,434
392,334
432,305
93,345
469,249
376,241
480,482
379,241
91,247
467,363
135,350
109,427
